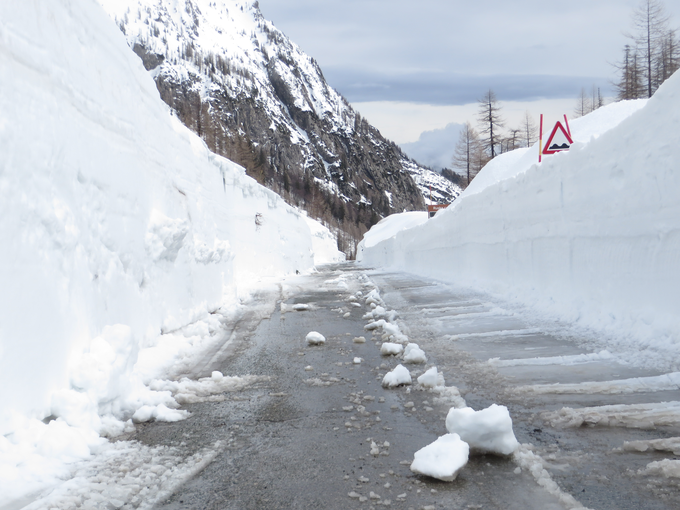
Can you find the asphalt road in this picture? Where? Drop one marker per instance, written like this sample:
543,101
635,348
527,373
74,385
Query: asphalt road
302,438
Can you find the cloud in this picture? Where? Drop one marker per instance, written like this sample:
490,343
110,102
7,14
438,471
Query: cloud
451,89
434,148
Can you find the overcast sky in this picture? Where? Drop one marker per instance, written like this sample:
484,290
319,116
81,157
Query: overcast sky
396,60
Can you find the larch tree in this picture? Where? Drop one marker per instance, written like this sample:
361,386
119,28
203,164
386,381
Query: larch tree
489,117
630,84
650,22
466,157
529,130
583,104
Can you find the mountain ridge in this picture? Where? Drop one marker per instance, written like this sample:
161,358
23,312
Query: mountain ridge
256,98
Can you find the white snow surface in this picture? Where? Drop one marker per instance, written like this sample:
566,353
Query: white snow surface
590,236
442,459
124,241
486,431
389,227
324,244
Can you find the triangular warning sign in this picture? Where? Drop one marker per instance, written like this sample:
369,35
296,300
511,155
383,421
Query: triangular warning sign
559,140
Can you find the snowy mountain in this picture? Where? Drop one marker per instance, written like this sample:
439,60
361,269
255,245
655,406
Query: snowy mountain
256,98
436,188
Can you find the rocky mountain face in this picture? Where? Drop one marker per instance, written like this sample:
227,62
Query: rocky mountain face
257,99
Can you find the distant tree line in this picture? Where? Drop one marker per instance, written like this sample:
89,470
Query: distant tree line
650,59
476,147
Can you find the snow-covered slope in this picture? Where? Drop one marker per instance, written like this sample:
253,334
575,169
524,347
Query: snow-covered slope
118,228
436,188
591,235
256,98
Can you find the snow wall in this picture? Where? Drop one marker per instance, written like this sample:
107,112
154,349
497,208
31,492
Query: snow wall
116,224
591,235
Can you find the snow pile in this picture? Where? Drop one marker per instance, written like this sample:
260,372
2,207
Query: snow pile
121,235
431,378
315,338
391,349
414,354
486,431
400,375
442,459
589,235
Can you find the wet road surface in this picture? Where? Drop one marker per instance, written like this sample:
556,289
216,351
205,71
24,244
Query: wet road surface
301,438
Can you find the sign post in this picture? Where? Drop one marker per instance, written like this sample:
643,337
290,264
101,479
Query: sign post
558,141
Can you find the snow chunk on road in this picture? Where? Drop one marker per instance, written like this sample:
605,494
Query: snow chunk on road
315,338
161,412
431,378
486,431
389,349
639,416
442,459
671,444
212,389
667,468
414,354
300,307
400,375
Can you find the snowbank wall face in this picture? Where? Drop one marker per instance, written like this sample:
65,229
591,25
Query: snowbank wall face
593,234
111,212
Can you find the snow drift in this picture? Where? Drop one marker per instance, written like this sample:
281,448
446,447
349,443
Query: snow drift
117,228
591,235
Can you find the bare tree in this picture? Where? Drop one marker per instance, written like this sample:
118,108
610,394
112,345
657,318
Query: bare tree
668,58
583,105
466,156
489,117
630,84
529,130
650,22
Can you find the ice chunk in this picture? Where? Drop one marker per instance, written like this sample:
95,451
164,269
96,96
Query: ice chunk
388,349
359,340
414,354
486,431
357,361
442,459
300,307
314,338
431,378
400,375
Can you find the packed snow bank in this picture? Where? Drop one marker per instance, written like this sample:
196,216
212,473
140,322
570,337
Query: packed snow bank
442,459
388,227
591,235
119,233
486,431
324,244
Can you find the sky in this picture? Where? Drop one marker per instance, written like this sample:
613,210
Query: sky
414,67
